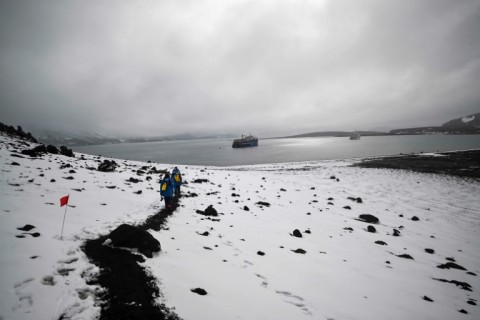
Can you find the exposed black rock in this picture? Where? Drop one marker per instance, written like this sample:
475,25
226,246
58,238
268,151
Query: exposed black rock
347,207
138,192
405,256
300,251
396,233
52,149
348,228
107,166
263,203
427,299
450,265
200,181
431,251
380,242
26,227
134,180
133,237
415,218
205,234
462,285
463,311
368,218
371,229
30,152
246,208
199,291
297,233
209,211
15,163
66,152
260,253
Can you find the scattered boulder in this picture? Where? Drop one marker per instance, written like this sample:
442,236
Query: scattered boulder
415,218
30,152
134,180
210,211
260,253
405,256
396,233
380,242
246,208
52,149
199,291
347,208
200,181
107,166
297,233
431,251
371,229
262,203
368,218
427,299
132,237
450,265
66,152
300,251
348,228
26,227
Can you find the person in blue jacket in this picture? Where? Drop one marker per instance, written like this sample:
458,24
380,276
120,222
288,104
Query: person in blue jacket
166,190
177,180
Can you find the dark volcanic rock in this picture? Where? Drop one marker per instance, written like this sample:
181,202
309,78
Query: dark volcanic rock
297,233
347,207
415,218
260,253
348,228
463,285
405,256
210,211
107,166
246,208
132,237
427,299
30,152
431,251
371,229
380,242
52,149
300,251
199,291
262,203
26,227
66,152
450,265
396,233
368,218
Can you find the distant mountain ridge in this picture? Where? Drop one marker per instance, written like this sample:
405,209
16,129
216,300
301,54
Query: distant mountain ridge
87,138
465,125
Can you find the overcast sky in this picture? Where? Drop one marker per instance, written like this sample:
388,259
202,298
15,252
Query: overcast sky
267,67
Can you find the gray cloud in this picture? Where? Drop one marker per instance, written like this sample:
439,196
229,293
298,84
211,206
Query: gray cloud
162,67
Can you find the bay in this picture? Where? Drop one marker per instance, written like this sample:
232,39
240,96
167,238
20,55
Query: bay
219,152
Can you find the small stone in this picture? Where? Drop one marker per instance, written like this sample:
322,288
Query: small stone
415,218
427,299
260,253
431,251
199,291
297,233
382,243
371,229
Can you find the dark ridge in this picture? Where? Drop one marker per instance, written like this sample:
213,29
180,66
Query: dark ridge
19,133
130,291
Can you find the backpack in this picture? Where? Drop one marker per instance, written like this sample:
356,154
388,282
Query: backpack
176,178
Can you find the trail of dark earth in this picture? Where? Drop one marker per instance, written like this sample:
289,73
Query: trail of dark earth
130,291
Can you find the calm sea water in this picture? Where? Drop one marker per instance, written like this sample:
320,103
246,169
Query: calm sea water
219,152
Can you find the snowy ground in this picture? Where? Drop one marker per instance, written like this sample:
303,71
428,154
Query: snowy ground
246,263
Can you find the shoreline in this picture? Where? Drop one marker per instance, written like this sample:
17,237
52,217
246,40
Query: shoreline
457,163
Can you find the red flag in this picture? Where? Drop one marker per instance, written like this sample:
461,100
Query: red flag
63,201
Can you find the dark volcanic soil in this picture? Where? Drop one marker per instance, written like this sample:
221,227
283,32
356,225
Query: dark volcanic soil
458,163
130,291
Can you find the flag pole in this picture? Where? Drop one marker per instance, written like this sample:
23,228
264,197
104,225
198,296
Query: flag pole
66,206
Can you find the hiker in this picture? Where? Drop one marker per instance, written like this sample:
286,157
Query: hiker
177,180
166,190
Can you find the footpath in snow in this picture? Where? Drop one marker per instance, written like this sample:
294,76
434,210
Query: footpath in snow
289,241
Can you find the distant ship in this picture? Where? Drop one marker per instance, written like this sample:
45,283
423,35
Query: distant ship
245,141
355,136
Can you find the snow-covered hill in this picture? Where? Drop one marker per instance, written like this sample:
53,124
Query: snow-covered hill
249,259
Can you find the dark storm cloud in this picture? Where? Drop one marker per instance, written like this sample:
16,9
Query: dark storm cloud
159,67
